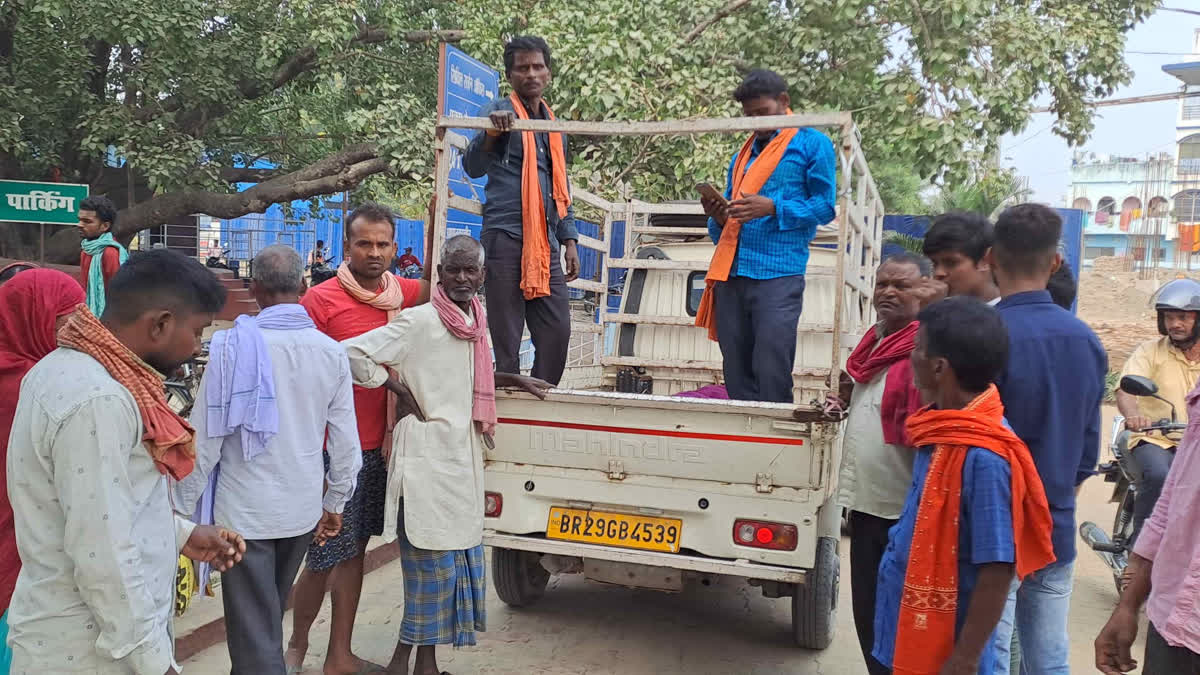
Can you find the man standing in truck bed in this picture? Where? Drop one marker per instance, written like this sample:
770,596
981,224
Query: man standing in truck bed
780,188
526,218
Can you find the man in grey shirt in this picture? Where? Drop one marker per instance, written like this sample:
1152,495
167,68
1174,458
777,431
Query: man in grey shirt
275,392
500,154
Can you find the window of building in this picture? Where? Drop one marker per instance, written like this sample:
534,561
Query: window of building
1083,204
1107,205
1158,207
1189,155
1187,206
1093,252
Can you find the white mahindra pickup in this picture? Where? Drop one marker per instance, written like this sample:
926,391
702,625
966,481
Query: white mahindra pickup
617,478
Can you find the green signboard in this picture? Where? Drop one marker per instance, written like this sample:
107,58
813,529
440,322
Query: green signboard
24,202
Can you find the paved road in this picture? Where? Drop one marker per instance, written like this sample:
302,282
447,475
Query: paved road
584,628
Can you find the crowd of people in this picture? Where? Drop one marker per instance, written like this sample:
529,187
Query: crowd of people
361,407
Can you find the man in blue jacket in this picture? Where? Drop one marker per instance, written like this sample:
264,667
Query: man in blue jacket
1052,390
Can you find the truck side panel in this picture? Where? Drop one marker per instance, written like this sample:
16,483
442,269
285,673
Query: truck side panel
733,446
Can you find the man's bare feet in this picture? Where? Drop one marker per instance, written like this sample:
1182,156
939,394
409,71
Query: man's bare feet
293,658
351,666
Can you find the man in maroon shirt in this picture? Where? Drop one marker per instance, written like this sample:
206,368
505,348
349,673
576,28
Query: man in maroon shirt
363,296
96,217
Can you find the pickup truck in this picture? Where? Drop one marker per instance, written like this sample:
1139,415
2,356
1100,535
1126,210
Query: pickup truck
617,478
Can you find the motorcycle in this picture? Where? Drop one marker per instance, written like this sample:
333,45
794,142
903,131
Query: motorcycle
1123,471
321,272
220,262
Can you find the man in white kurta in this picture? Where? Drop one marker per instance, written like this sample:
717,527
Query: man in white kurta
98,539
103,600
434,506
437,464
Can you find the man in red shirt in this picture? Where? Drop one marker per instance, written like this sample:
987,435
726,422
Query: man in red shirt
96,217
408,259
364,295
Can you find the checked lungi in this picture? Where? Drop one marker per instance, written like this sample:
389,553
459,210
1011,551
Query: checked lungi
444,593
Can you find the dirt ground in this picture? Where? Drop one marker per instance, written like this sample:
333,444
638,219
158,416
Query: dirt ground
1115,302
586,628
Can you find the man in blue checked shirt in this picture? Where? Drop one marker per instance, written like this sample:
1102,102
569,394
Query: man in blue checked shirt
768,218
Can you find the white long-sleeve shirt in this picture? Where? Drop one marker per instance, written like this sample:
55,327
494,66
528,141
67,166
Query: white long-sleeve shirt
278,493
98,540
437,465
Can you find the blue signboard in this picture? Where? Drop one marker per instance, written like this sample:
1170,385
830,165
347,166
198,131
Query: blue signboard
470,84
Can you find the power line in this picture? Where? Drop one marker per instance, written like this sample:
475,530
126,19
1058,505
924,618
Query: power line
1150,98
1181,11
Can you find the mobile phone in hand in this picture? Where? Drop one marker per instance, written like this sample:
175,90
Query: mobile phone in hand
707,191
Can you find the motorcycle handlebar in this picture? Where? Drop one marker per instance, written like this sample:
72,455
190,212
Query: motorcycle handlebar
1167,427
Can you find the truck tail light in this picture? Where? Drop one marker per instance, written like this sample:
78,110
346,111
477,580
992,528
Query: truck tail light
493,504
762,534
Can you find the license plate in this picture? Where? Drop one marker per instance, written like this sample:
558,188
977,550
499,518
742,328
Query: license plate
615,529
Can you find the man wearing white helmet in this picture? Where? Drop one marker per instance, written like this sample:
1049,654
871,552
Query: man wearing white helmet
1173,363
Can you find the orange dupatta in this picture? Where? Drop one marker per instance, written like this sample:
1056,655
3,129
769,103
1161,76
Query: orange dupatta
535,249
744,182
929,604
168,438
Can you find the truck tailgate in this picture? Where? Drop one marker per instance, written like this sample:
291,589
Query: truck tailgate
628,434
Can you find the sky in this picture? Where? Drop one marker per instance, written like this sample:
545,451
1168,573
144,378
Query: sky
1127,130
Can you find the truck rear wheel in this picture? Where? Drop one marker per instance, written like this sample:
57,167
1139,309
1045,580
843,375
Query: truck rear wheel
814,603
519,576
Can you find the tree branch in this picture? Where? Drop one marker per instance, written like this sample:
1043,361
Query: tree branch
245,175
729,8
302,61
341,171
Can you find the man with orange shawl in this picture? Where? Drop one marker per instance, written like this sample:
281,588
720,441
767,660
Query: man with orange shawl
363,296
92,448
527,218
780,189
976,511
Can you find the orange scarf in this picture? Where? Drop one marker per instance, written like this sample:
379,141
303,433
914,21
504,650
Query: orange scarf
929,604
744,183
535,251
168,438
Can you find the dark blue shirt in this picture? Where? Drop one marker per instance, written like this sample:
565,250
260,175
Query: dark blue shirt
803,188
502,208
1052,389
985,536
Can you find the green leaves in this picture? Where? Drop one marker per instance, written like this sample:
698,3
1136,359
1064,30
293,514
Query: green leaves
180,88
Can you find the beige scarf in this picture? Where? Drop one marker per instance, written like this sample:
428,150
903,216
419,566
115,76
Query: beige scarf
390,299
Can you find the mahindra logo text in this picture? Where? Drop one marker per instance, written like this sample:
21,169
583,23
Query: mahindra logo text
616,446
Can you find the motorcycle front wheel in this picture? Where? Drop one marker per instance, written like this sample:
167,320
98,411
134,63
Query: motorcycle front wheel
1123,532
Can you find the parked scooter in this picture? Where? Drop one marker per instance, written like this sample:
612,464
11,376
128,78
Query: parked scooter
1125,473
